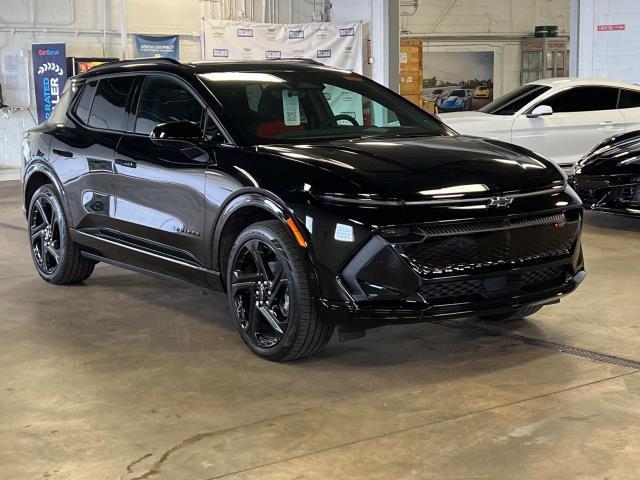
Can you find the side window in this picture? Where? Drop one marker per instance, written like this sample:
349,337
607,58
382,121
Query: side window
108,109
583,99
211,131
165,100
83,107
59,113
629,99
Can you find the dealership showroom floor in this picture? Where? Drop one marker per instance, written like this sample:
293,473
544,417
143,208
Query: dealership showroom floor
126,377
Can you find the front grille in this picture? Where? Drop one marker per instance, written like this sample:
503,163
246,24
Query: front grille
495,287
495,245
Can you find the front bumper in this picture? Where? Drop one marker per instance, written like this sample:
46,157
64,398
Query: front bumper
460,270
371,314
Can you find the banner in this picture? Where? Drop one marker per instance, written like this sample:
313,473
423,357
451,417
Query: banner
152,46
49,76
336,45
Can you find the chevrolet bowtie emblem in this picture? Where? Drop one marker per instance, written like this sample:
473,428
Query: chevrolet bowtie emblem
499,202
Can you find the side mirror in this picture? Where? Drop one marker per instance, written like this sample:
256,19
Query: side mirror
540,111
179,130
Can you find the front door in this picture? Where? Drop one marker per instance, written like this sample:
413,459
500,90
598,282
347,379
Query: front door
582,117
160,184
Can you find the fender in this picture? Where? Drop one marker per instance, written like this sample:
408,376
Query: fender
267,201
39,165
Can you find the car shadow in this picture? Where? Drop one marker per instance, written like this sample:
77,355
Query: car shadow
611,222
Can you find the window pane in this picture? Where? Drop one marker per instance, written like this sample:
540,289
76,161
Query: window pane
291,106
584,99
84,104
629,99
108,109
514,100
165,100
59,113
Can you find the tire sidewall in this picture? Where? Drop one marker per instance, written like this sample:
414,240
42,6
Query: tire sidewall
50,194
272,238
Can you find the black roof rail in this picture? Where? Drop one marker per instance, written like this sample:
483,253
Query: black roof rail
149,60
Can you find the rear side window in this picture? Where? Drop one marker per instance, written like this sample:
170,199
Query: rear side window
83,107
165,100
59,113
629,99
584,99
108,108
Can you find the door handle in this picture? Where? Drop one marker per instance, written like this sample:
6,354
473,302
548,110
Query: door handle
63,153
607,122
126,163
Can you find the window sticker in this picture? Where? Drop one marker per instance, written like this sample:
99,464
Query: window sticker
290,107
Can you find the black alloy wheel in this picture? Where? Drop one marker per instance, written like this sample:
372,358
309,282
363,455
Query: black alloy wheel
44,231
261,295
269,295
56,256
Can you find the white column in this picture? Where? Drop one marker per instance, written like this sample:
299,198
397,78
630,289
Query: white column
385,42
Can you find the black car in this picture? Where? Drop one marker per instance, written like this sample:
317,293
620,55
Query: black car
608,177
312,196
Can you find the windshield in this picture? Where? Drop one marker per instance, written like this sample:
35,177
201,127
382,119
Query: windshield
294,106
513,101
458,93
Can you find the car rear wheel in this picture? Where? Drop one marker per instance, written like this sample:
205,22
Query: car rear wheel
269,295
56,257
511,316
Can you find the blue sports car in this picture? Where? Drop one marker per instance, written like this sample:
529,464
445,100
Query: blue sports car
455,101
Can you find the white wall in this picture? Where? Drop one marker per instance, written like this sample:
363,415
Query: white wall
607,52
485,25
81,24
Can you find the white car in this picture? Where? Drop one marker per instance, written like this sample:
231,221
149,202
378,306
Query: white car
559,118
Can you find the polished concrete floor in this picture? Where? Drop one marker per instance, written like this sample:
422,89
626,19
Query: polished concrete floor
128,377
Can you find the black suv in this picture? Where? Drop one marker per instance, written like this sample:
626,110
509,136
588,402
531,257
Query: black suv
312,196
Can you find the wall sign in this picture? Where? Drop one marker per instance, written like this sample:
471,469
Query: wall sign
611,28
49,76
145,46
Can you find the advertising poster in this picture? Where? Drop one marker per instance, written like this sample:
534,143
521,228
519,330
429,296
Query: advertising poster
145,46
457,81
49,76
334,44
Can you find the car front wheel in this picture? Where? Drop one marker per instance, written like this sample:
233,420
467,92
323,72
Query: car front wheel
269,295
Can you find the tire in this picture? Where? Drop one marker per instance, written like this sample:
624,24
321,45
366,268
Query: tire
511,316
56,257
271,304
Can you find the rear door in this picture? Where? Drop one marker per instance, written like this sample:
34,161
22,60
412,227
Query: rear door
160,184
83,150
582,117
629,105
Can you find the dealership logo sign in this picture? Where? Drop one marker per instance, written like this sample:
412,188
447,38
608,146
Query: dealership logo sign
296,33
220,53
49,72
347,32
272,54
245,32
324,54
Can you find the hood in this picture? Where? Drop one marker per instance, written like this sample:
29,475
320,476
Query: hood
420,168
619,154
454,118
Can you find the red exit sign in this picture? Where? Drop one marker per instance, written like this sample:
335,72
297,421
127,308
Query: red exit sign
611,28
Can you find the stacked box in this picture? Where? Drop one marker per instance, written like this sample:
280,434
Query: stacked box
411,71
